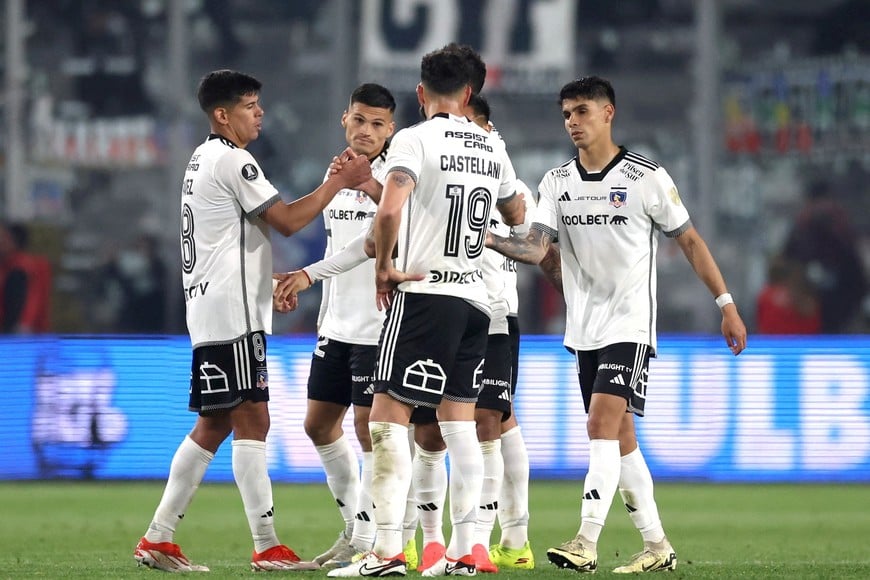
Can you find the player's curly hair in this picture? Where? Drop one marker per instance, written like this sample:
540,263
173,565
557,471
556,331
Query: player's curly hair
446,70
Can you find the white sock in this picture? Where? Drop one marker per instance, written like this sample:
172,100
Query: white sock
430,491
599,486
493,471
185,474
636,489
466,481
342,477
513,503
364,526
252,479
391,479
411,519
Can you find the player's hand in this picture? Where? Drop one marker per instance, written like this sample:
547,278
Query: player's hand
340,160
285,287
733,329
387,281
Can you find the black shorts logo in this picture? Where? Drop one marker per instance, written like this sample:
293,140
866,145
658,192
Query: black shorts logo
249,171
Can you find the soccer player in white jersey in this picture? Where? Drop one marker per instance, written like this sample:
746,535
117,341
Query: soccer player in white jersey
443,177
349,324
605,207
227,206
494,412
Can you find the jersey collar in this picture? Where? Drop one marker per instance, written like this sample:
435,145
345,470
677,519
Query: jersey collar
223,140
600,175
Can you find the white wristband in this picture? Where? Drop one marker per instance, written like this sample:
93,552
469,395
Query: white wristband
724,299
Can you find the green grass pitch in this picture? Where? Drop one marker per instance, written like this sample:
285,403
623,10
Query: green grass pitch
88,530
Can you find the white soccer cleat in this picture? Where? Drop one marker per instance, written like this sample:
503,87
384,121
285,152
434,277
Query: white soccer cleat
574,554
654,558
464,566
340,545
372,565
343,557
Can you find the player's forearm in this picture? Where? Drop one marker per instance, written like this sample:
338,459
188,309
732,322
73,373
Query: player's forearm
528,250
513,212
372,188
348,258
551,266
386,235
289,218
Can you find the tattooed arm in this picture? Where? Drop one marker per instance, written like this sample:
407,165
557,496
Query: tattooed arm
551,266
528,250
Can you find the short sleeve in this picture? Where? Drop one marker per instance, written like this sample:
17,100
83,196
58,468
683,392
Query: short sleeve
507,188
546,216
665,207
405,154
239,172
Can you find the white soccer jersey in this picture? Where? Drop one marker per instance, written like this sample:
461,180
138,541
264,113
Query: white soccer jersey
508,266
348,311
226,254
459,172
607,227
500,272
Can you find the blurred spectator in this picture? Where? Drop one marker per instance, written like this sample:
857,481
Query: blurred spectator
786,304
825,243
135,280
108,56
25,284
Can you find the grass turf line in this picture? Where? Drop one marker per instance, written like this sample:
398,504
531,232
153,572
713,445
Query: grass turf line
88,530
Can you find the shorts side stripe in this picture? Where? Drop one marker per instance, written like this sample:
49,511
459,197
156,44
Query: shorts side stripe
639,355
246,357
243,376
391,336
236,362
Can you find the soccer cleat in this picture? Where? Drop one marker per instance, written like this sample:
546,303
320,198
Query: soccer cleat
411,558
575,555
340,544
653,558
515,558
464,566
344,557
432,552
164,556
372,565
481,559
279,558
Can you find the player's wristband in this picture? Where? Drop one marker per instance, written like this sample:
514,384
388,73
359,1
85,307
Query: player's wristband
724,299
307,275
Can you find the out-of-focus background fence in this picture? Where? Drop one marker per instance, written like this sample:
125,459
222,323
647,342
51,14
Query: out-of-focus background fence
786,410
759,110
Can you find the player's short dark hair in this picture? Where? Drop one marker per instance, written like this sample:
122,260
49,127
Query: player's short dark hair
476,66
446,70
592,88
224,88
479,105
373,95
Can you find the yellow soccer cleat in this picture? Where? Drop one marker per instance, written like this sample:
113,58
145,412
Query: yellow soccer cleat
513,558
410,551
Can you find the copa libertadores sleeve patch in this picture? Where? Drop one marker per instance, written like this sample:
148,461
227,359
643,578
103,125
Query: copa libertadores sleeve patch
249,171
